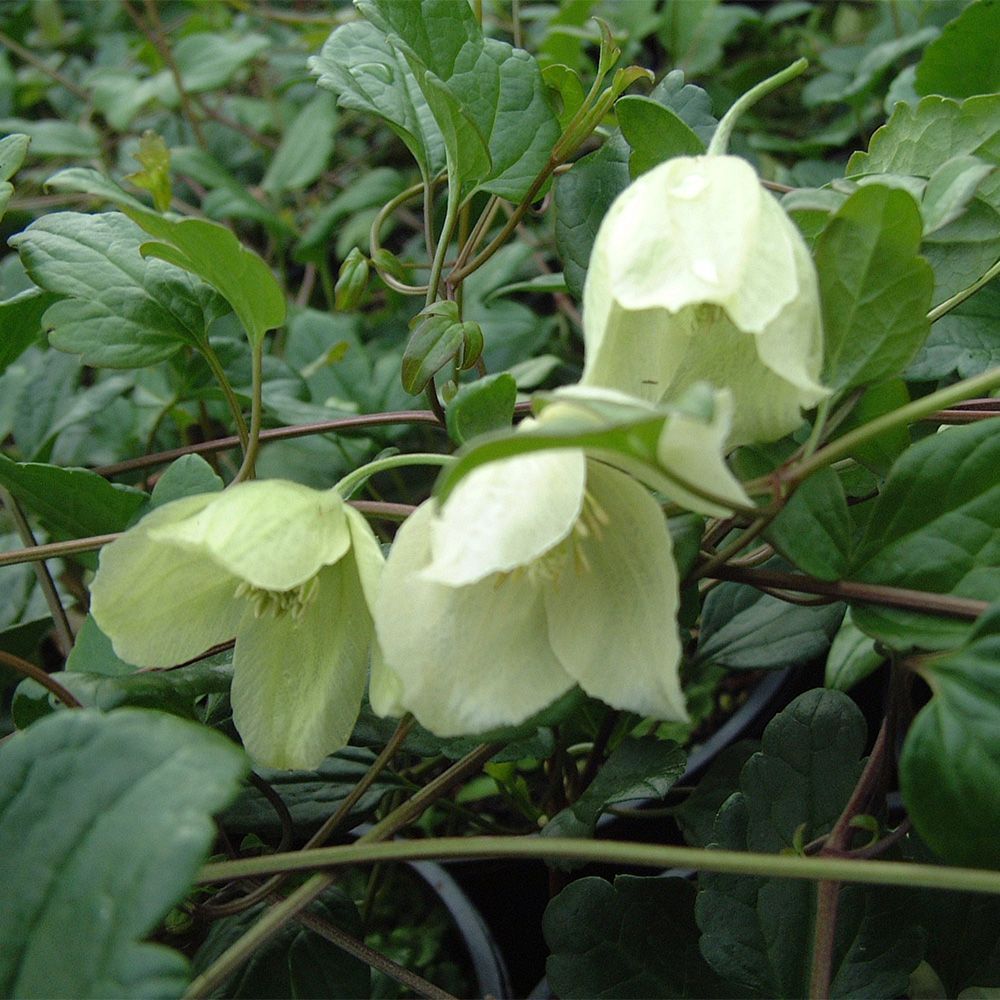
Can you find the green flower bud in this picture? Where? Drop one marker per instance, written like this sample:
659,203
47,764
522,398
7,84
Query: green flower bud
351,282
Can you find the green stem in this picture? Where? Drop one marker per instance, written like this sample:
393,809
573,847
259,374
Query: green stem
227,390
354,479
375,240
247,469
444,241
958,298
815,868
905,415
720,140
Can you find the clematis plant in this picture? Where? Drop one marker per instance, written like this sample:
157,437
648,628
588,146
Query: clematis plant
697,274
538,572
290,571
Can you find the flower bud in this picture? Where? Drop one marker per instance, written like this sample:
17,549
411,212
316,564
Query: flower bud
351,282
698,275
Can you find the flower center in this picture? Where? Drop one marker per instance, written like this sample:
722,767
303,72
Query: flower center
280,602
549,567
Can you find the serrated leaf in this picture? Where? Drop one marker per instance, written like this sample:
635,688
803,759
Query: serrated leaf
305,148
119,807
214,254
481,406
951,757
70,502
814,529
963,60
875,289
635,938
654,132
487,98
935,527
757,933
645,768
296,961
745,629
118,310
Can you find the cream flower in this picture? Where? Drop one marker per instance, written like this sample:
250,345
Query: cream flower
698,275
289,571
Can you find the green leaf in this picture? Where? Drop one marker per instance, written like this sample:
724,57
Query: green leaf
964,342
13,149
370,75
154,158
635,938
694,33
756,932
436,340
481,406
92,653
487,97
696,814
215,255
951,756
305,148
209,60
119,807
880,453
745,629
85,180
21,323
950,189
119,310
814,529
654,132
295,962
188,476
875,290
690,103
70,502
852,657
52,137
963,60
645,768
935,527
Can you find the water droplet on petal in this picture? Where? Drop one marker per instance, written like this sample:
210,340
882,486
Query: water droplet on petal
704,268
690,186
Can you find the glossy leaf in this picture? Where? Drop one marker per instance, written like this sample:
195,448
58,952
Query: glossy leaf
951,756
118,310
119,807
948,542
963,60
635,938
875,289
757,933
644,768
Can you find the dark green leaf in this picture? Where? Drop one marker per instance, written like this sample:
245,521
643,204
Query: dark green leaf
119,807
644,768
745,629
875,289
935,527
119,310
297,961
696,814
654,132
963,60
757,933
436,340
636,939
814,529
879,453
71,502
188,476
21,323
690,103
92,653
481,406
950,189
951,757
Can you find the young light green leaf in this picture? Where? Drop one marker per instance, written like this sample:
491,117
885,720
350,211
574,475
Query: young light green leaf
118,310
947,543
154,158
875,289
214,254
951,756
963,60
128,800
634,938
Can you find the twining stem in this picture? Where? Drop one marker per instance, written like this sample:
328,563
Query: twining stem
943,308
843,446
816,869
42,574
444,242
278,915
38,675
720,139
227,390
375,241
247,469
355,479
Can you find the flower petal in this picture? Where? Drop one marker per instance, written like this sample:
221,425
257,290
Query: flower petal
366,552
506,514
466,659
297,684
158,603
613,625
271,533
